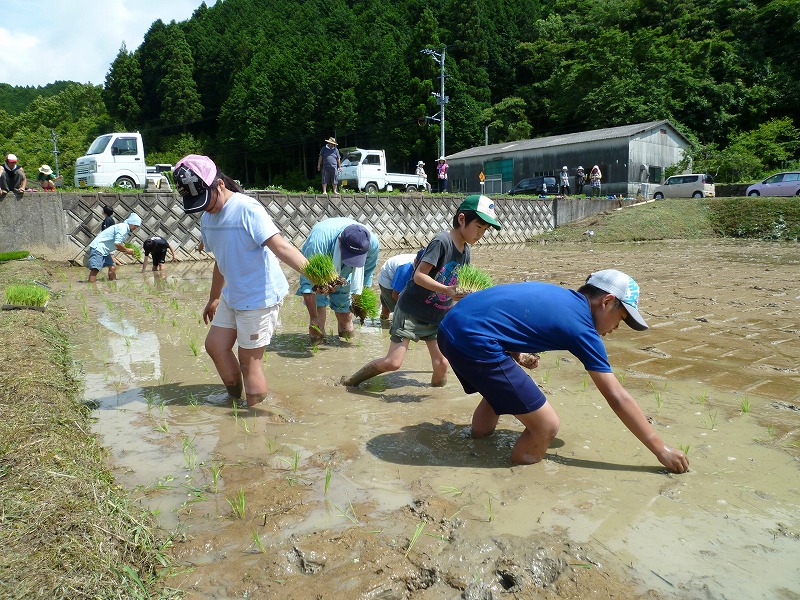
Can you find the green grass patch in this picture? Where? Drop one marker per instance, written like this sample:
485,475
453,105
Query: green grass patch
67,530
771,219
14,255
27,294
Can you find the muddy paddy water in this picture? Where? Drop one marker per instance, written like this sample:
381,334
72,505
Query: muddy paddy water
380,493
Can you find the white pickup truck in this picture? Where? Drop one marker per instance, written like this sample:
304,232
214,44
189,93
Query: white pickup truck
365,170
117,159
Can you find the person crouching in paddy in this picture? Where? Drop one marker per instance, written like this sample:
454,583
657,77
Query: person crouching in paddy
488,334
432,291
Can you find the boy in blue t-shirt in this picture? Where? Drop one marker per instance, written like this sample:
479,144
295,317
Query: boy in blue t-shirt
431,292
490,333
393,278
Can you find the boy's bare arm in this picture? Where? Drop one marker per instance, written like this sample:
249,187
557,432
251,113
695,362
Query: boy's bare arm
630,413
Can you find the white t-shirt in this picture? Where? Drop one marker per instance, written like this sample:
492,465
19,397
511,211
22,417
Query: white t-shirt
253,275
388,269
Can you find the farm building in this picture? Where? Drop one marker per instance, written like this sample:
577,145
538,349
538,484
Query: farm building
627,156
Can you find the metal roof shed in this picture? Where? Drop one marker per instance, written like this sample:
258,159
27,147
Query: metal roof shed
627,156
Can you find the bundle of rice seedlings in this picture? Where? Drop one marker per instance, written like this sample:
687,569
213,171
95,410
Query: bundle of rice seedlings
14,255
366,304
25,294
471,279
322,274
137,251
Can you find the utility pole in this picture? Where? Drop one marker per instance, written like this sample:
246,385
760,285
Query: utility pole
441,99
54,137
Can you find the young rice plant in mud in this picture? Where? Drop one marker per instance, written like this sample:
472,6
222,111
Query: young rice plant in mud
472,279
417,533
216,471
745,405
257,541
328,475
238,504
366,304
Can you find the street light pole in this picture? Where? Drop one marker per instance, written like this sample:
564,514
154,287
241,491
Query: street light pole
54,137
441,99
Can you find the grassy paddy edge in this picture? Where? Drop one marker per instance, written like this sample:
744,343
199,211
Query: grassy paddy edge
67,530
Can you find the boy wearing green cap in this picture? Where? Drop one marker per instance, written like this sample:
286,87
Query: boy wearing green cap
432,291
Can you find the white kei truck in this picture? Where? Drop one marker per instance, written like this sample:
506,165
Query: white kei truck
365,170
117,159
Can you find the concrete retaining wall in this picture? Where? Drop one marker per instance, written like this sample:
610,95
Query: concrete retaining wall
65,223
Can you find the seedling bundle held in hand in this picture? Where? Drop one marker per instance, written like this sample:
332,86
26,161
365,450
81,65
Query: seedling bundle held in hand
137,251
472,279
365,304
322,274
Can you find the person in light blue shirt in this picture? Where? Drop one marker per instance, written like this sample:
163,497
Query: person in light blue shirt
108,241
354,249
247,285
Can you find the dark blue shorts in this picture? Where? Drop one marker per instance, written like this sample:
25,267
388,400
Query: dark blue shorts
505,385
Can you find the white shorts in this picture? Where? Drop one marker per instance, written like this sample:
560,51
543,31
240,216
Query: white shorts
254,328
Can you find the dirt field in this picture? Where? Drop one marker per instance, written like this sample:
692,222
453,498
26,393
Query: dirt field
380,492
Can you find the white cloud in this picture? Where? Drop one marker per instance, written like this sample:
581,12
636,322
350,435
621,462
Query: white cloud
42,41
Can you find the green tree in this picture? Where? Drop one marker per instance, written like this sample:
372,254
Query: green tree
122,93
180,101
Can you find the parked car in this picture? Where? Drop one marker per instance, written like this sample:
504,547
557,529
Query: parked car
688,185
780,184
535,186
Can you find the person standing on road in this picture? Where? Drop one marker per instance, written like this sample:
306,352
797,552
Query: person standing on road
329,163
595,178
580,180
563,184
490,334
108,241
248,284
441,174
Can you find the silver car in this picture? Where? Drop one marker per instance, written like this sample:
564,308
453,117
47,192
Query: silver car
688,185
780,184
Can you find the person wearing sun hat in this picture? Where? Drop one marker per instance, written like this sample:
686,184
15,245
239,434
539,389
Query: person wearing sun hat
491,334
354,249
247,284
432,291
46,178
329,163
12,176
112,239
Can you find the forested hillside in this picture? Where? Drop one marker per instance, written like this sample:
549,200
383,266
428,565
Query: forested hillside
260,84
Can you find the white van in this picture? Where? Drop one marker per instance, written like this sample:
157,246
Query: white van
688,185
113,159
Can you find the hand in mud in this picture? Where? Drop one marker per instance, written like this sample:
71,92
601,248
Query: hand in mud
674,460
526,360
316,333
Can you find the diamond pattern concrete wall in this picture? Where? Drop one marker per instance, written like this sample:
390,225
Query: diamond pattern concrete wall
401,222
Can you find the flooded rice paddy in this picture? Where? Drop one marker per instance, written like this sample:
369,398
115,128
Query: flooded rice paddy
381,493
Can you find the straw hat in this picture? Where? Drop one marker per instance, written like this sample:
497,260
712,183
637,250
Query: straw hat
45,170
331,140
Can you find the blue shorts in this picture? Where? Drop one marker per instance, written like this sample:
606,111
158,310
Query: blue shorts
339,300
505,385
97,261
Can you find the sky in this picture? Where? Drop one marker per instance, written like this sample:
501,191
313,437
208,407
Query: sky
43,41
